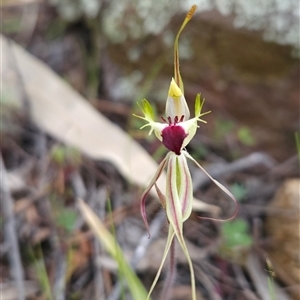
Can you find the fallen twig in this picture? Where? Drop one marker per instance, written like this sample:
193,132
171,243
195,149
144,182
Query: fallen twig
204,279
220,169
10,233
260,280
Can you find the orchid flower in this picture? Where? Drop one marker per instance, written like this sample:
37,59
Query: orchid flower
175,132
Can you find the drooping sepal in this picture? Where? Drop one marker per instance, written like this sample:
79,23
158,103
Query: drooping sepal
147,190
170,238
218,184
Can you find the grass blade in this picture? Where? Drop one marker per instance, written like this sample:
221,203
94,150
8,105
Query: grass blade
135,286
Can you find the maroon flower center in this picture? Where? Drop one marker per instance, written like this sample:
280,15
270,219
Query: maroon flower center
173,135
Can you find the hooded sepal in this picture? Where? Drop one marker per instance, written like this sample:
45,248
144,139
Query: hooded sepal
176,104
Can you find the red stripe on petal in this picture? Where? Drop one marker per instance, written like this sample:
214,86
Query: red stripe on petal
173,213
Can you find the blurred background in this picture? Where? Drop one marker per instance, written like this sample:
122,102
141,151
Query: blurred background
243,57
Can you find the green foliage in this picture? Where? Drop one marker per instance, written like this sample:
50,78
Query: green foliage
118,253
64,155
235,234
236,241
66,218
225,127
271,284
41,272
245,136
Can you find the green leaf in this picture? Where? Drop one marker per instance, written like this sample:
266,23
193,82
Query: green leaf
62,154
235,234
66,219
245,136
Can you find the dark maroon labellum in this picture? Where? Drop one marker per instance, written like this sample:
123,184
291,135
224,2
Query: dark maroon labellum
173,137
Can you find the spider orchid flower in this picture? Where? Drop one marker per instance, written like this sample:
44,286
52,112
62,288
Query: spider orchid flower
175,132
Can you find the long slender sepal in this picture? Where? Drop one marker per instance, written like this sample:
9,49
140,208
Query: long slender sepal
221,186
161,196
171,234
177,75
153,181
187,255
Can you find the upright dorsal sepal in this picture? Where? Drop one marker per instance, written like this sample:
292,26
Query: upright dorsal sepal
177,75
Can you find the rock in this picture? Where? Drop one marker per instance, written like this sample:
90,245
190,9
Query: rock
283,229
